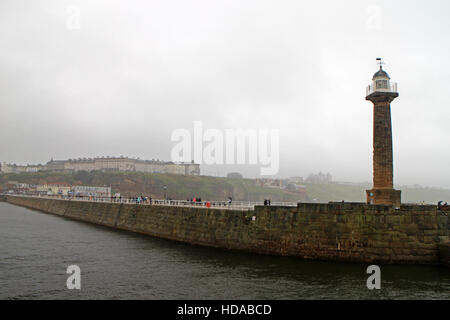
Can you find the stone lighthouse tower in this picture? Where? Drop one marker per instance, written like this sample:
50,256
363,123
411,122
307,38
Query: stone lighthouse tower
381,93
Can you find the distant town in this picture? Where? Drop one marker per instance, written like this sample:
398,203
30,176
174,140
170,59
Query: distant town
294,185
106,164
56,189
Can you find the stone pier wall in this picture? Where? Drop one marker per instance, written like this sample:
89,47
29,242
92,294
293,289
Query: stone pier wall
444,251
336,231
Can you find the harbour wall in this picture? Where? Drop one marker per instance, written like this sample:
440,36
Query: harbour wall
444,251
353,232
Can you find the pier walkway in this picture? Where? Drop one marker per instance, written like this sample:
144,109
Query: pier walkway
234,205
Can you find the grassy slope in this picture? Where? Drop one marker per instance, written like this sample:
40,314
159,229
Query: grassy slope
338,192
428,195
212,188
178,186
335,192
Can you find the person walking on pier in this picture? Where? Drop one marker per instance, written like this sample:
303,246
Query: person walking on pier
441,206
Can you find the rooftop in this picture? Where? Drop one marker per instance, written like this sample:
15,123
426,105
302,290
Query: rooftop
381,74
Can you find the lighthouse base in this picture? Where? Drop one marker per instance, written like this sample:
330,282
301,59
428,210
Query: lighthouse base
384,196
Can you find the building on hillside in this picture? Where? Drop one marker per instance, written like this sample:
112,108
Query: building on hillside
4,168
124,164
89,191
296,188
319,178
53,189
296,180
269,183
15,168
12,168
17,187
282,184
55,165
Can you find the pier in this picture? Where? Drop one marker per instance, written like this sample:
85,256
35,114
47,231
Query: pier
335,231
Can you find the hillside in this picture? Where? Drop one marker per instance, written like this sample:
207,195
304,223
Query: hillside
336,192
178,186
212,188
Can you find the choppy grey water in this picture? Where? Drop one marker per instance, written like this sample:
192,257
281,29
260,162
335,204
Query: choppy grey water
36,249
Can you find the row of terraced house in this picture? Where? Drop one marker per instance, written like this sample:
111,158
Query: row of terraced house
106,164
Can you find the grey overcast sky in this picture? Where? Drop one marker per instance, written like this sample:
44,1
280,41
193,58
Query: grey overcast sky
134,71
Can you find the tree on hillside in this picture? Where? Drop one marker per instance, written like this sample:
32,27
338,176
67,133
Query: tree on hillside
234,175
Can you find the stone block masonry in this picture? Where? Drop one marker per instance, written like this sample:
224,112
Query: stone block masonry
353,232
382,191
444,250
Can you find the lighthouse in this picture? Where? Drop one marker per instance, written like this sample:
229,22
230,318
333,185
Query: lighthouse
381,93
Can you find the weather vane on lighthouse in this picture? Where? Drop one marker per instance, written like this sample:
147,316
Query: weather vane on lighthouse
380,62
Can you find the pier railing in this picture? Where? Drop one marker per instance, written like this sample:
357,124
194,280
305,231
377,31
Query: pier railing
234,205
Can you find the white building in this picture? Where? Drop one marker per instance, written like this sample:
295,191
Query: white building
88,191
123,164
14,168
107,164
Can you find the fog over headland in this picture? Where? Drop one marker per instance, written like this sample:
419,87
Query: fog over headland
132,72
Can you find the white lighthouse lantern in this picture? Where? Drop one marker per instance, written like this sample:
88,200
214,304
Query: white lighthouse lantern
381,82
